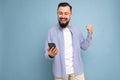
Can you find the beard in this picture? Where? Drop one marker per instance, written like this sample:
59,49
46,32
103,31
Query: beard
63,25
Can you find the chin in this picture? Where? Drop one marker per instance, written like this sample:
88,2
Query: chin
63,24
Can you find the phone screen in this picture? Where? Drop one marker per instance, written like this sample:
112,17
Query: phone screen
51,45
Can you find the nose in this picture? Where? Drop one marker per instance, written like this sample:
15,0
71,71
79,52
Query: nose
63,16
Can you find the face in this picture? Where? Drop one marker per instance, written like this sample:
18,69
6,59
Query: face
64,15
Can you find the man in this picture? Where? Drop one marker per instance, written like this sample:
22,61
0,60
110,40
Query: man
67,62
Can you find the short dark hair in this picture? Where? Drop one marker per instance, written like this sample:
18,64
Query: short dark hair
64,4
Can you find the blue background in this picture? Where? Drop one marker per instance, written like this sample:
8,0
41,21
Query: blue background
23,29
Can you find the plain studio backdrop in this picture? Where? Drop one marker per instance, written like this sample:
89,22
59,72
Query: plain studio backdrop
23,29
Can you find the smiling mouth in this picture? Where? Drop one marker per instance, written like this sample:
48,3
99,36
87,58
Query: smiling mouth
63,20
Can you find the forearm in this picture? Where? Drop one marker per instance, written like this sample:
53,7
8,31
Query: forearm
86,42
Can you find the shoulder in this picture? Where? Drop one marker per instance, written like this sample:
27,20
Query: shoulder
75,28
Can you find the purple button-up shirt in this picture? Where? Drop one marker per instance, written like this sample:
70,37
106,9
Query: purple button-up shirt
55,35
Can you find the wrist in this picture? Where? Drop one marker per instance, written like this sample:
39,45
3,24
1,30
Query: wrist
90,32
51,56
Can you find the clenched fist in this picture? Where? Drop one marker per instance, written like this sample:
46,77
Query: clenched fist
89,28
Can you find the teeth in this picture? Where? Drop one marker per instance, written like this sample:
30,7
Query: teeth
62,19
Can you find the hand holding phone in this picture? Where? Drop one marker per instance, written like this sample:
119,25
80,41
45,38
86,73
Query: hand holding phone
54,50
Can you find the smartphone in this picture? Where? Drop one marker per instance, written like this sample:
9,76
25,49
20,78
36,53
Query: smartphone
51,45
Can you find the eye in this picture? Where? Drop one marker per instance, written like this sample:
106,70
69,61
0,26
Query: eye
66,13
60,13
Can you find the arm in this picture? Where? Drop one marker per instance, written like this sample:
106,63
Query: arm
86,42
50,52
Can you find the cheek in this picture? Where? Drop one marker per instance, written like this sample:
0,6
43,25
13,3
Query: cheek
59,16
68,17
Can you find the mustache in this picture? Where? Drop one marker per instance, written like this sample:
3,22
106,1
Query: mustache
63,18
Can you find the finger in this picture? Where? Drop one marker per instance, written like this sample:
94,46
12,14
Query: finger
55,51
51,49
89,28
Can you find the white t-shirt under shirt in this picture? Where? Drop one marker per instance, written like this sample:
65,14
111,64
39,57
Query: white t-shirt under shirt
68,51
